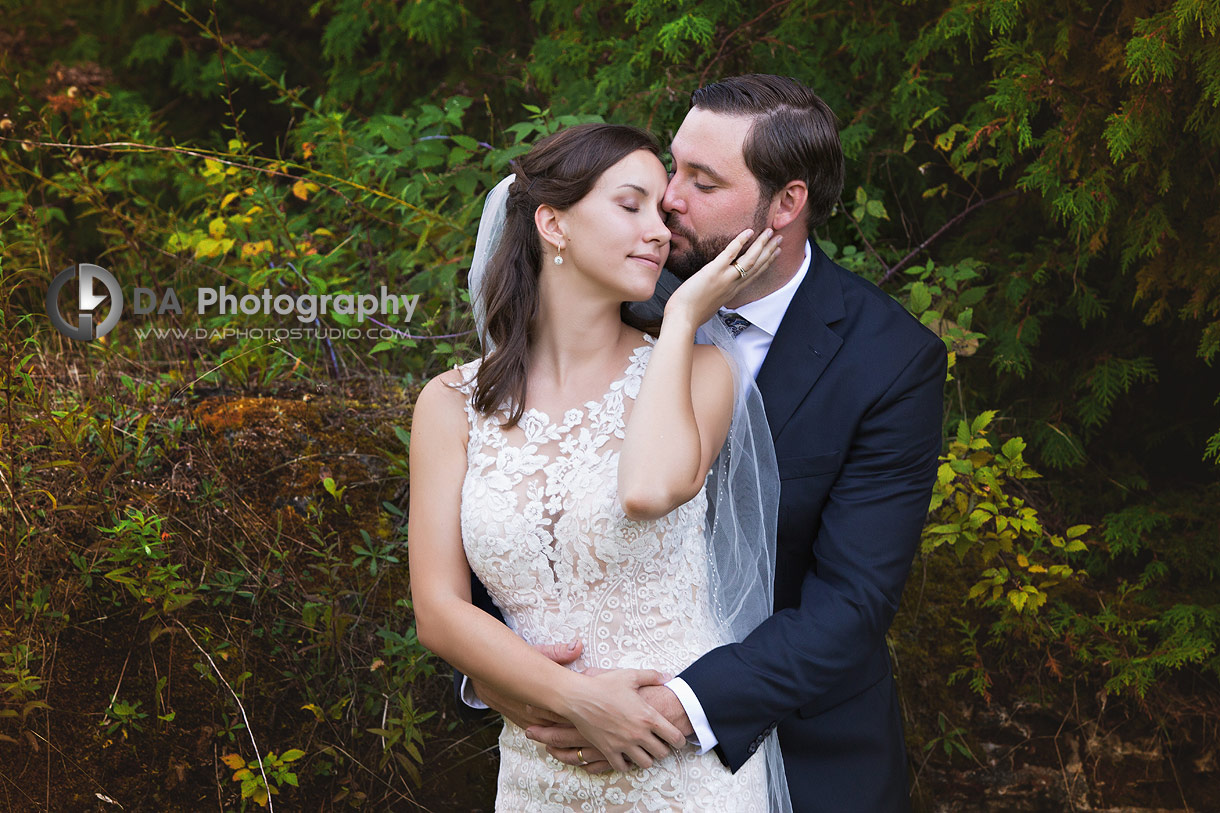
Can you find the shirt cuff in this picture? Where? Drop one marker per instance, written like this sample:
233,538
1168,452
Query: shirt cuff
703,736
471,699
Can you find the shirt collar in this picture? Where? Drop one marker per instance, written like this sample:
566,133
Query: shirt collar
766,313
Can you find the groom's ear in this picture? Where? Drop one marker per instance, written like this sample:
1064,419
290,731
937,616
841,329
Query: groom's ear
789,204
547,218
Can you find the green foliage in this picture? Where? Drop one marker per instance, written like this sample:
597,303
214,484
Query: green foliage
974,514
1109,379
1035,182
951,740
138,561
262,780
124,717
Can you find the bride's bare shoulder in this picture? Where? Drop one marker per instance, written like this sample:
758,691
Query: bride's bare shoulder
443,399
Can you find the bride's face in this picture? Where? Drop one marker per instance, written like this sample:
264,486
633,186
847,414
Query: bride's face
616,235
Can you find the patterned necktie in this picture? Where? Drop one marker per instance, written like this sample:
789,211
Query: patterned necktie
735,322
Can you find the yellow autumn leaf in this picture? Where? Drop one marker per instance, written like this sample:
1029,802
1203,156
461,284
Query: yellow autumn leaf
307,148
253,249
260,797
217,228
1022,561
227,199
207,247
234,761
302,189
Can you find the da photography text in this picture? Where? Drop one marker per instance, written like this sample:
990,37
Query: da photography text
307,307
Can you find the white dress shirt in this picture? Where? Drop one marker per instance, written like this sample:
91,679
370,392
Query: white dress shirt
764,315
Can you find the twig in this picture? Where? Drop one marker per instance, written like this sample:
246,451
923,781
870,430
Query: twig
952,222
214,155
1177,781
185,387
725,42
249,730
119,685
867,244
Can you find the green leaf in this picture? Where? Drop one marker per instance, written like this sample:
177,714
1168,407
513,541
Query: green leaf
1013,447
982,421
921,298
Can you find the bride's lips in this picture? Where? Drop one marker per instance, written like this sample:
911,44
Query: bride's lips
653,261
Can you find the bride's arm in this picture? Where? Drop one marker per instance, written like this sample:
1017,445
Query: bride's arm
685,405
605,708
677,425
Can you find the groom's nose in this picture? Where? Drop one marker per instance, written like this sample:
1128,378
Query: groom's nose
673,199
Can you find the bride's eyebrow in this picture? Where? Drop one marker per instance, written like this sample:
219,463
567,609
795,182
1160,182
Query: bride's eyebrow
639,189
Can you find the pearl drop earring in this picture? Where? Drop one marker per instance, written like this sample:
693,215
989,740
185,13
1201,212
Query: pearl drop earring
559,256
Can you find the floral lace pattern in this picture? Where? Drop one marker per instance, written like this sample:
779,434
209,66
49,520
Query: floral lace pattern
543,530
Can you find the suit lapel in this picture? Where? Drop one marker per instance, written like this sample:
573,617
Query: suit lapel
804,344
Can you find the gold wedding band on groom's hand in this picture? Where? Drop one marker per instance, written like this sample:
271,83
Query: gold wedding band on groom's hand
580,754
740,270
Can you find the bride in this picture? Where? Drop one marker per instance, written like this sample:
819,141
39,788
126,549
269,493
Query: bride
569,469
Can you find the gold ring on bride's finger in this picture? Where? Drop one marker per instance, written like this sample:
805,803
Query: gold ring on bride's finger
580,754
740,270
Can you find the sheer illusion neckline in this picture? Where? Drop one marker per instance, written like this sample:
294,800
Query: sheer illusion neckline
614,385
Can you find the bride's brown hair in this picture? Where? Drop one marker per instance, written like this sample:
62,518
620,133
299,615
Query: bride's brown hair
558,172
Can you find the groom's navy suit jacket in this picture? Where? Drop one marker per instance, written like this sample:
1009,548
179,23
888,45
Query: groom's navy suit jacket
852,385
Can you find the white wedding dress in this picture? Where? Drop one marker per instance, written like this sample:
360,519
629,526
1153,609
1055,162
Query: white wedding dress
543,530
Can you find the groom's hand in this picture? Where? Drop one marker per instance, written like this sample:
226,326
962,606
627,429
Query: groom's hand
665,701
523,714
569,746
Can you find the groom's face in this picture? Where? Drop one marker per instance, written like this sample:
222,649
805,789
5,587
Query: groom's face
712,195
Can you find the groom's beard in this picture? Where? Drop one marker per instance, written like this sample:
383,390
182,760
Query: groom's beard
701,251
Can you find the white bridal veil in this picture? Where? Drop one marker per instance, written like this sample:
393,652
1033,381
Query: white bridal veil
742,488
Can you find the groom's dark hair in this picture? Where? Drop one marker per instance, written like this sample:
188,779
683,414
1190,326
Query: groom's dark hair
795,136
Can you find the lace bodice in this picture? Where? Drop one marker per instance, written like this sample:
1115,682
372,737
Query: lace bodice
543,530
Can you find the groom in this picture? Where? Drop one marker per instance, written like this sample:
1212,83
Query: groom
852,386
